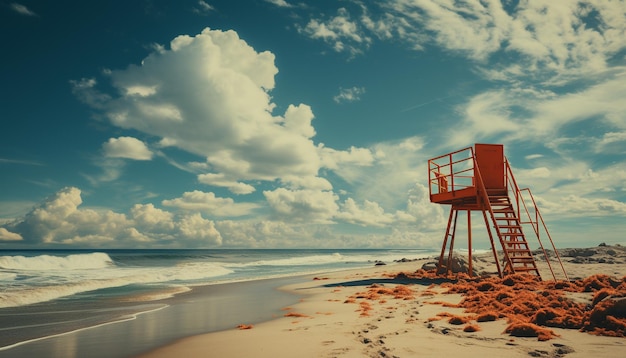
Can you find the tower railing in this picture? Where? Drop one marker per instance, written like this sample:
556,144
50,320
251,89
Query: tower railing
451,172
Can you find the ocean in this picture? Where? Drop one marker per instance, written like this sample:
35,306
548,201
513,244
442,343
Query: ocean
56,293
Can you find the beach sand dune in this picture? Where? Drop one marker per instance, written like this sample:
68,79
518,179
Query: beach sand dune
402,310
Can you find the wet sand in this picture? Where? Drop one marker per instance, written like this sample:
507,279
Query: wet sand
400,311
125,329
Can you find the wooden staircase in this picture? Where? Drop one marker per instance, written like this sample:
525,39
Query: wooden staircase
518,257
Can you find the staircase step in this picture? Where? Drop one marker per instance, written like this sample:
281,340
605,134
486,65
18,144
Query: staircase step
503,211
509,229
519,251
510,218
510,242
517,247
518,269
496,192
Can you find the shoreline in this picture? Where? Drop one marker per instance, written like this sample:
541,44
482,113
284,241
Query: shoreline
120,320
204,309
144,268
336,318
45,322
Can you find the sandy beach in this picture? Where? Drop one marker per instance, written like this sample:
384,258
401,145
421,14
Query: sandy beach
401,310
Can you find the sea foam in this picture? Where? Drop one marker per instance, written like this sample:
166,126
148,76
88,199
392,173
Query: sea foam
29,280
32,279
96,260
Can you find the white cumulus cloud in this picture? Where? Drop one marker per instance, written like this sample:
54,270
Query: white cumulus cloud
60,220
303,205
349,94
6,235
210,204
209,95
340,31
126,147
22,9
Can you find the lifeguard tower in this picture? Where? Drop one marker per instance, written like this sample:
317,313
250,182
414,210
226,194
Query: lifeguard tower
479,178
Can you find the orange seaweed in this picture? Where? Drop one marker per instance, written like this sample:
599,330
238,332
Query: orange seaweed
602,294
487,317
596,283
365,307
525,298
324,313
294,314
458,320
445,314
523,329
471,328
607,318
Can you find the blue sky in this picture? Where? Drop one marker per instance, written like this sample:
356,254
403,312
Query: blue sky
279,124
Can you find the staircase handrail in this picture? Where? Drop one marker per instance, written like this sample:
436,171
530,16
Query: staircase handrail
545,227
519,198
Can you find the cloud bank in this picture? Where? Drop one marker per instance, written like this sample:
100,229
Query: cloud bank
60,221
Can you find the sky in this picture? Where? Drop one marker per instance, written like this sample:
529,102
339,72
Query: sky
301,124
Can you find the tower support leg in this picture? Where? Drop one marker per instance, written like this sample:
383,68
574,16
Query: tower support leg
493,245
450,233
469,243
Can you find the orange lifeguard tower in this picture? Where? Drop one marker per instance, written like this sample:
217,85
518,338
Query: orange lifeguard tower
479,178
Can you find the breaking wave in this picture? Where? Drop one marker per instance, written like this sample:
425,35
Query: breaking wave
32,279
28,280
96,260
